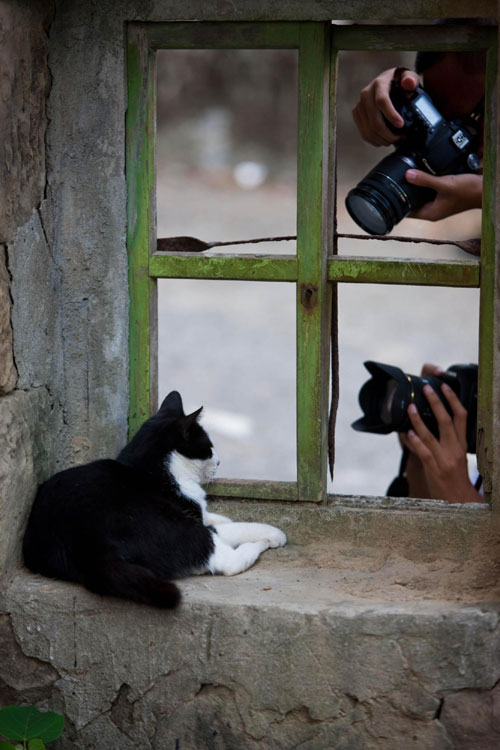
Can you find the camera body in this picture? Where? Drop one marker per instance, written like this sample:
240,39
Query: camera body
385,398
432,144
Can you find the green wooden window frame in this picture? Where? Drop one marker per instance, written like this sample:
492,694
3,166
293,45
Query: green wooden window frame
316,267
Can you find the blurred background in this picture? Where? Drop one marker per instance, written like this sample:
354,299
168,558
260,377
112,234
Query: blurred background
226,170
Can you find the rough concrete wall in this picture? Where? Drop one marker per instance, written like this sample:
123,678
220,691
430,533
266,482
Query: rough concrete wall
24,86
85,225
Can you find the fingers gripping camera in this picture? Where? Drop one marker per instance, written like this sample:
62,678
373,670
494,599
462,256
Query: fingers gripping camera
432,144
385,398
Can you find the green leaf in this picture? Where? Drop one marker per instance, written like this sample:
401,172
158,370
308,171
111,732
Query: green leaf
27,723
6,746
36,744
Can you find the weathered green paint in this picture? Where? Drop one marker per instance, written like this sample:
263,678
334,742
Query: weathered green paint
351,269
254,489
488,273
223,35
366,270
406,38
140,121
313,293
238,267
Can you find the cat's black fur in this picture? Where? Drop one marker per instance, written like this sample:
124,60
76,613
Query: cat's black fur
123,527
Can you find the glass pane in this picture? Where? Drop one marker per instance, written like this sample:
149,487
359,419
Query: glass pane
226,147
371,203
230,345
400,326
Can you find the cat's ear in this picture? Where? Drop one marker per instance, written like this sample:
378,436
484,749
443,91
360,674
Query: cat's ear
172,404
189,421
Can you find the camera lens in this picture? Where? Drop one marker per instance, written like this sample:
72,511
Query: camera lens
384,399
384,197
366,211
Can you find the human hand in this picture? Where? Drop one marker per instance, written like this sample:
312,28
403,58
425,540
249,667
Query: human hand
455,193
375,103
443,459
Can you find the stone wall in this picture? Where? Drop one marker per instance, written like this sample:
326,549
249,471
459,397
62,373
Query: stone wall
24,89
25,85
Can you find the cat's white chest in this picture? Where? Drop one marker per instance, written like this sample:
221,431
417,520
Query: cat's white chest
189,473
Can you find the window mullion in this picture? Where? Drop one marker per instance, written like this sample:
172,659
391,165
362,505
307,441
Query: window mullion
141,226
313,293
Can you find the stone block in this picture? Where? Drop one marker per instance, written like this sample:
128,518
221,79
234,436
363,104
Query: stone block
23,461
472,718
21,678
25,85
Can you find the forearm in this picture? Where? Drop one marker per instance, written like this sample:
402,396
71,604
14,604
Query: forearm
417,482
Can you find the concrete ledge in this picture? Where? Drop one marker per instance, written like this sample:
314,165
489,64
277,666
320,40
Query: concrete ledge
419,530
319,645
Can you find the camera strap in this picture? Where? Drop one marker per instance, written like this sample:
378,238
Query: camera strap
399,486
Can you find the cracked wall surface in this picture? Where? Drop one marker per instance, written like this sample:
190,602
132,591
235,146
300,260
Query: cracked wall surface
25,83
351,676
24,407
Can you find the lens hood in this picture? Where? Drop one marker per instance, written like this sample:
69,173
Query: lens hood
371,395
384,399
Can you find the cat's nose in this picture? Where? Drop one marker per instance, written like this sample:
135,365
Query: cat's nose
218,462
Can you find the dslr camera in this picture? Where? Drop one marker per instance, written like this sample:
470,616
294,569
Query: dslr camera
432,144
385,398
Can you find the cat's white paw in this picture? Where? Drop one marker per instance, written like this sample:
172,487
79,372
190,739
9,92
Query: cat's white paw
276,537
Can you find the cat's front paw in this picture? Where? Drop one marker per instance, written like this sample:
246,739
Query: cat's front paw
276,537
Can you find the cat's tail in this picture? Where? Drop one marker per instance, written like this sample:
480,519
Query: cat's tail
127,580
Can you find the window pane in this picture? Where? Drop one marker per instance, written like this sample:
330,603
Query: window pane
356,158
231,347
226,146
400,326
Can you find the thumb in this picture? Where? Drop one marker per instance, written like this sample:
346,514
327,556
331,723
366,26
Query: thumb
423,179
409,80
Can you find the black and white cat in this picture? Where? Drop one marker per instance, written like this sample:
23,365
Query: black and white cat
126,527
